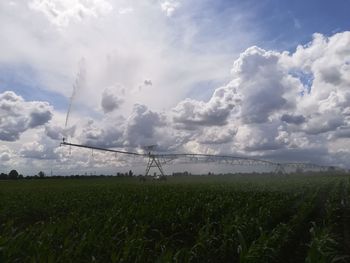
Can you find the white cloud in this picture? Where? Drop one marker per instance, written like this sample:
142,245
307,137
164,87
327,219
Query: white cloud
273,102
139,129
266,110
264,84
294,119
141,126
189,114
116,48
258,137
18,115
5,154
39,150
321,123
169,7
125,10
106,134
274,109
62,12
326,104
56,132
110,101
217,135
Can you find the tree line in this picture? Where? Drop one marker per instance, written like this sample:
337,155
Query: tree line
14,175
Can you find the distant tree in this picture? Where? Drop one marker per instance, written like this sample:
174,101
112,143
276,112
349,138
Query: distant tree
130,173
3,176
20,176
13,175
41,174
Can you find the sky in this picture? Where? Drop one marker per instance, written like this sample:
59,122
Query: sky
267,79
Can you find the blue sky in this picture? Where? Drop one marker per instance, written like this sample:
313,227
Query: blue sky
279,24
23,80
192,76
294,21
275,24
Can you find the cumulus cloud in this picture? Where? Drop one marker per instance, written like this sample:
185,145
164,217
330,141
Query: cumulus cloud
341,133
264,84
18,115
169,7
61,13
294,119
39,150
141,126
217,135
275,109
58,33
189,113
322,107
258,137
260,87
39,115
110,101
56,132
326,104
322,123
5,154
108,134
277,105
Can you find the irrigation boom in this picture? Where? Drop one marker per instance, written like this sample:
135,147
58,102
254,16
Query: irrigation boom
157,160
100,149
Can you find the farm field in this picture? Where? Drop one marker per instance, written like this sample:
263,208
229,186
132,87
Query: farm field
183,219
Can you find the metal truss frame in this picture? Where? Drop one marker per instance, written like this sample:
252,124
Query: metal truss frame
157,160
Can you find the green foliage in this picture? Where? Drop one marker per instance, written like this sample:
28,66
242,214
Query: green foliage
322,246
188,219
13,174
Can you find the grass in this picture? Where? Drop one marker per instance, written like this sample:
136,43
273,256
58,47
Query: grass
185,219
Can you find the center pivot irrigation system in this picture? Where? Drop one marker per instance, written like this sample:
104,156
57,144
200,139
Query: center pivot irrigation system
157,161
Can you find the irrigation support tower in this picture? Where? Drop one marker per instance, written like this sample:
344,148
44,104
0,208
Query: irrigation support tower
156,160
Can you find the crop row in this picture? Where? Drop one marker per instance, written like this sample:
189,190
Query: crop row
231,220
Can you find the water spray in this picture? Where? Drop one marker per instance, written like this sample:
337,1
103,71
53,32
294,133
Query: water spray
79,82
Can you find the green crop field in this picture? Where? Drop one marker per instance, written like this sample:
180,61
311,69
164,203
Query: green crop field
183,219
